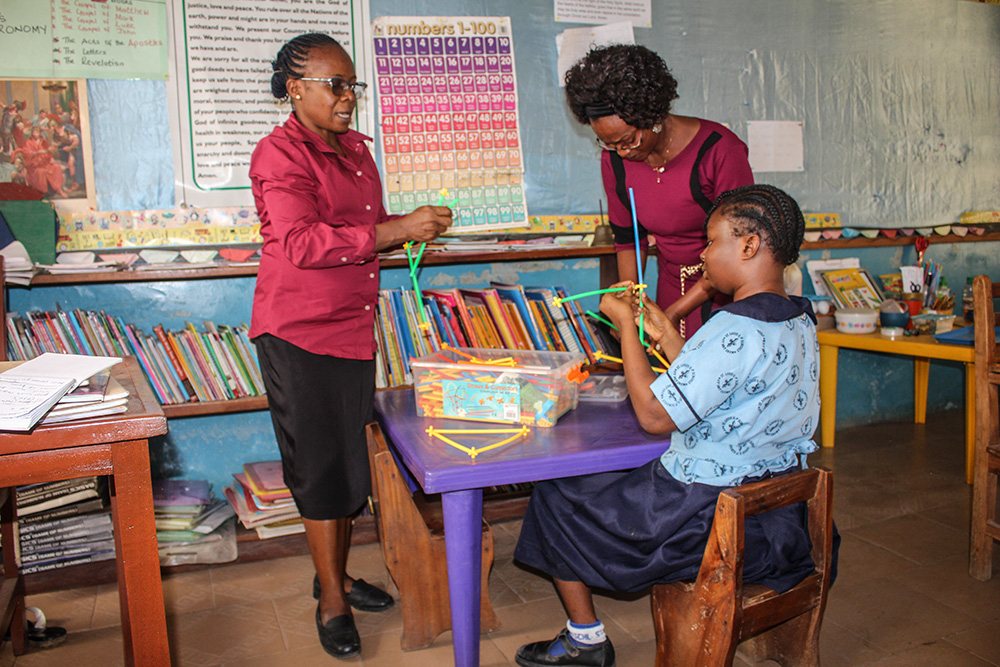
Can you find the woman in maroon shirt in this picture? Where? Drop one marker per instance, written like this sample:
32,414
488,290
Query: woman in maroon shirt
677,166
319,199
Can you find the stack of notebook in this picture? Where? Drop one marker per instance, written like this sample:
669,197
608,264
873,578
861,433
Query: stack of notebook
262,501
63,523
190,522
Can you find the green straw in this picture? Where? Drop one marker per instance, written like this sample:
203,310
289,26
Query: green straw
595,292
601,319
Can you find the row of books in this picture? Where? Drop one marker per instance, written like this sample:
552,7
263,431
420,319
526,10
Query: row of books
262,501
502,316
191,524
216,364
64,523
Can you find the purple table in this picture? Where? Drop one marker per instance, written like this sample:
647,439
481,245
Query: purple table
596,437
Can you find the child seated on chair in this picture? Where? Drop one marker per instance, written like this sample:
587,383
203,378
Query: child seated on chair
742,400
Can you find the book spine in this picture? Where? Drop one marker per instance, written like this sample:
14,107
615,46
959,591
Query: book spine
69,552
110,333
205,364
56,538
157,362
61,513
216,367
137,352
25,493
227,364
43,529
93,340
73,326
189,342
90,483
182,377
55,565
249,353
190,370
231,345
58,501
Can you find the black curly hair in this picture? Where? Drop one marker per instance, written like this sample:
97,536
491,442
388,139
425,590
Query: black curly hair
292,56
767,211
625,80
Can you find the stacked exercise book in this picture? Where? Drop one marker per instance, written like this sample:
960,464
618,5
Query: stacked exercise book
192,526
262,501
64,523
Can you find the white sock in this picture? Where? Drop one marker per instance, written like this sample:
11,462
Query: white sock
586,635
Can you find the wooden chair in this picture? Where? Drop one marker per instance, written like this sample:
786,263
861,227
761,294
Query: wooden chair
700,623
986,468
411,532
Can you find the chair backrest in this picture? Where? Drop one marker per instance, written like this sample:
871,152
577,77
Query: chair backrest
813,486
985,317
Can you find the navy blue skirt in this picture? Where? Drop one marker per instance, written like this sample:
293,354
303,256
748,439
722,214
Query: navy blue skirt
625,531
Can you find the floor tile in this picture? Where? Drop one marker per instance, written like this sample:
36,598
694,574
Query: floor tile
903,597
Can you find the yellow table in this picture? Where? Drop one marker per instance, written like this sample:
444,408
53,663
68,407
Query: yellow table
922,348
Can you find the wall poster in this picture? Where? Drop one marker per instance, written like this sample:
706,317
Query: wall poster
221,104
77,39
448,118
45,139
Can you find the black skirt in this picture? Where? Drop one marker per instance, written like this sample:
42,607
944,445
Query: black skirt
319,407
625,531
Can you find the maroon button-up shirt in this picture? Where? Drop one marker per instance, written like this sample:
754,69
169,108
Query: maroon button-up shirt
317,285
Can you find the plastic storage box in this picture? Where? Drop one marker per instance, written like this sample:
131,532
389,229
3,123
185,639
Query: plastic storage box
532,388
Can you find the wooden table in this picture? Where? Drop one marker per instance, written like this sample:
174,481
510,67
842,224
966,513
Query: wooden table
596,437
922,348
116,446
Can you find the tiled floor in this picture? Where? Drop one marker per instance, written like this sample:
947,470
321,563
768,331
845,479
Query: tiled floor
903,598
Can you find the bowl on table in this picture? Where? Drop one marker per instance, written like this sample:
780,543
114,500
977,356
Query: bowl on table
890,320
856,320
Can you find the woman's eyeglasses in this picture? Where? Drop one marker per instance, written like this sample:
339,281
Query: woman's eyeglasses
340,86
617,146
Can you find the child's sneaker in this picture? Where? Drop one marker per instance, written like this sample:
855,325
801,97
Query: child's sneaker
540,654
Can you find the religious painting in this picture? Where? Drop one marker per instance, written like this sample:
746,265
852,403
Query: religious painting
45,139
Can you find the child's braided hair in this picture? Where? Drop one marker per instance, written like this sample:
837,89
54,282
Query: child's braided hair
767,211
292,56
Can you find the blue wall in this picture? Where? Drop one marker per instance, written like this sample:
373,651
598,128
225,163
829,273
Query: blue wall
899,101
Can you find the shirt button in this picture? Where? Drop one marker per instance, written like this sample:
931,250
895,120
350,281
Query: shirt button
360,174
368,207
368,307
371,275
343,259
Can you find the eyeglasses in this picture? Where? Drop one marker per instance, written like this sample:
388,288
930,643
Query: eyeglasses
340,86
617,146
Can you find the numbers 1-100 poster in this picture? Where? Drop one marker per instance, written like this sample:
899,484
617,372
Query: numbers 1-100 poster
447,100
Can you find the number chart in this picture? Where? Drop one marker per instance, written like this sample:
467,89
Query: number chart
447,102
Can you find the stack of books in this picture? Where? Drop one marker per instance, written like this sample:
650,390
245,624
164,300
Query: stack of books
262,501
190,521
31,389
502,316
64,523
216,364
97,396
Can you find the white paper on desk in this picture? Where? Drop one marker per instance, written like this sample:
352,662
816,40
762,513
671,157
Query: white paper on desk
75,367
573,44
816,267
23,400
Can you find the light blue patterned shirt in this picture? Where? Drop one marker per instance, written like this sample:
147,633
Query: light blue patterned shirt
743,392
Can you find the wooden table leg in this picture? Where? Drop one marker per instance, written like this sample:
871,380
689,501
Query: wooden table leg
140,591
921,373
828,392
12,590
970,420
463,543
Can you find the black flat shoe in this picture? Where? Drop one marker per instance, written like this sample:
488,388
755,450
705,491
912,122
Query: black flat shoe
339,637
363,596
537,654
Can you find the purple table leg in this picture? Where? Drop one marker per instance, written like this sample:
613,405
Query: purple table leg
463,519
